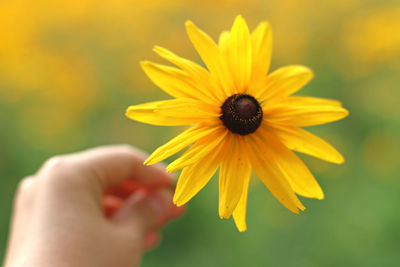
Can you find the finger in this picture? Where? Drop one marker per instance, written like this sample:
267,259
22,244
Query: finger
113,164
113,200
141,211
111,204
173,213
125,188
108,166
151,240
24,209
176,212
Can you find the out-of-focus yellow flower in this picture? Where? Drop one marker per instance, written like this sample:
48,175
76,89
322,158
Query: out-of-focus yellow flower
374,36
48,57
35,32
243,119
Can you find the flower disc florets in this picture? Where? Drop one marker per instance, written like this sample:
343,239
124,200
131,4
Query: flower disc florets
241,114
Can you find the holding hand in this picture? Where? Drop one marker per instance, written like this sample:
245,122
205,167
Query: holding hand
99,207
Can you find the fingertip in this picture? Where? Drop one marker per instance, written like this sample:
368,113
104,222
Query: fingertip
161,201
176,211
143,208
154,176
151,240
173,213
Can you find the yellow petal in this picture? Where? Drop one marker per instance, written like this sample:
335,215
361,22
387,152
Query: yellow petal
181,141
271,175
235,168
194,177
181,111
309,100
223,42
199,150
146,113
307,115
239,52
186,107
297,173
261,40
239,214
211,56
173,81
282,82
201,77
305,142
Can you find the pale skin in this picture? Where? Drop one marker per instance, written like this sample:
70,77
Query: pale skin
100,207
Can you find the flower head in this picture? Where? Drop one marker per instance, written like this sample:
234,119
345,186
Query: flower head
241,118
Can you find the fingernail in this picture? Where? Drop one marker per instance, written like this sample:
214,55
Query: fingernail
160,201
176,211
137,196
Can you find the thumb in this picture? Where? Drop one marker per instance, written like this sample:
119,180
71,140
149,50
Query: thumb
142,209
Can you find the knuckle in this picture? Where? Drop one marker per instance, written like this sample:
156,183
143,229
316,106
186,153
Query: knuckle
25,190
25,185
58,170
55,163
125,148
131,151
57,166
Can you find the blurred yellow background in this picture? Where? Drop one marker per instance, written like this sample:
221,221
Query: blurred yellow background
68,70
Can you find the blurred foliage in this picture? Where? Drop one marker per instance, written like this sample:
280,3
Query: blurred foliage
68,70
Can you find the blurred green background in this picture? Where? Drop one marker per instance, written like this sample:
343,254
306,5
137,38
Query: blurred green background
68,70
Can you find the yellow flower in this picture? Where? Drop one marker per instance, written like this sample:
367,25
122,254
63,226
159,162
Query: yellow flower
240,117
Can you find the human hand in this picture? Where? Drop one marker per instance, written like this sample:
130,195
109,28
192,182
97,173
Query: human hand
100,207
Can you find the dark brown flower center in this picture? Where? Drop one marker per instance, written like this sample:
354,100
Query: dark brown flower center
241,114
